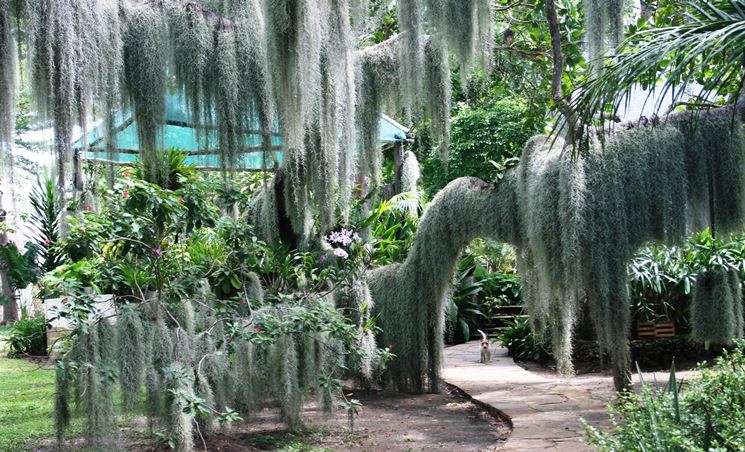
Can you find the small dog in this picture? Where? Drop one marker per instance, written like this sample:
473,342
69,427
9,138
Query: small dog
485,351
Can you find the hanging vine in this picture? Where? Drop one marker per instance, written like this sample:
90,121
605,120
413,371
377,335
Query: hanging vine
8,70
579,223
604,24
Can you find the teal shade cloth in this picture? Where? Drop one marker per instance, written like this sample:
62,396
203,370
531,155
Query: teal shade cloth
181,133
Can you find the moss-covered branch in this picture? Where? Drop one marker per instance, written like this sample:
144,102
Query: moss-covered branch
576,223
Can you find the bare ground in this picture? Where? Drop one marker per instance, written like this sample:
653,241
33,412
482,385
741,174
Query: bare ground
386,422
600,382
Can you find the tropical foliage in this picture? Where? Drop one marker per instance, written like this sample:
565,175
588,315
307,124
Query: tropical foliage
203,305
693,46
480,140
699,414
234,293
521,343
27,337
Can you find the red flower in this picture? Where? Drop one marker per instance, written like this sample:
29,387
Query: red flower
125,193
390,346
88,208
126,174
46,242
257,330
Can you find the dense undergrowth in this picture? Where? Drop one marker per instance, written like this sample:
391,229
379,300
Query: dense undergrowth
704,413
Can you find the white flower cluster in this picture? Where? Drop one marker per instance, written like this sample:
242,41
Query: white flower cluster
343,237
341,253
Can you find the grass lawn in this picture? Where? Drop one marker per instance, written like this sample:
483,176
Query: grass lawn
26,395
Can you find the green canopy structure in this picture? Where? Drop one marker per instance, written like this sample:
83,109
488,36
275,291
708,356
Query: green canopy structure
181,132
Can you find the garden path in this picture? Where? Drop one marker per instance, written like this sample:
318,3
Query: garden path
545,410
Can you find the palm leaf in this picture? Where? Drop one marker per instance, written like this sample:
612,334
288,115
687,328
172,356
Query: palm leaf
713,34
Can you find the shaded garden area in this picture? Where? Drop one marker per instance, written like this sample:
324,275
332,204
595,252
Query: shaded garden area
258,224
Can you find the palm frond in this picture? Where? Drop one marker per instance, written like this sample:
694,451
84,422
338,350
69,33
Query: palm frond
707,49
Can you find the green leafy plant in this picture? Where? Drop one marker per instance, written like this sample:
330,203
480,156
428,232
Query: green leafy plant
393,224
707,413
687,43
521,343
352,407
82,274
21,269
465,313
484,142
44,221
28,337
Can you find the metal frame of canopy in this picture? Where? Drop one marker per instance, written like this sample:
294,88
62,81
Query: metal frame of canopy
180,132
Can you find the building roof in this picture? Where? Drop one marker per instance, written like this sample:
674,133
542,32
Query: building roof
180,132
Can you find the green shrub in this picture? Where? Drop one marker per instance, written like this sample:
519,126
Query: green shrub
521,343
478,137
464,313
706,414
663,280
28,337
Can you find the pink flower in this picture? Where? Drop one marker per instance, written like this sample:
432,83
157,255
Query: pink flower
257,330
125,193
157,252
88,208
181,200
322,258
390,346
46,242
126,174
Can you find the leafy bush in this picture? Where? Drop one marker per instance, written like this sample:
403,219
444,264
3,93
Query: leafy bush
28,337
465,314
479,138
521,343
393,224
662,278
706,414
21,268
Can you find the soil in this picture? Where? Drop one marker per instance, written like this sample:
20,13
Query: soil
386,422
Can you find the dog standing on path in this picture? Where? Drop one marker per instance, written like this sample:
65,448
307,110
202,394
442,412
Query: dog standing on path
485,351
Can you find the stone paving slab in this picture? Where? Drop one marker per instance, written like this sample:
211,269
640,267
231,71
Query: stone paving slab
545,412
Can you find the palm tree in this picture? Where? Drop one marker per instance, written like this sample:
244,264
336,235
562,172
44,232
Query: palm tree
707,48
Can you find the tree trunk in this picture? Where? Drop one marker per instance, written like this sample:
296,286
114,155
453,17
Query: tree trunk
10,308
398,162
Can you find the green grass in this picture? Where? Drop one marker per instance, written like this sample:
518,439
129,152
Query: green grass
26,401
297,441
26,395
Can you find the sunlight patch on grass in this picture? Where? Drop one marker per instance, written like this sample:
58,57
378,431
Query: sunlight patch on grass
26,395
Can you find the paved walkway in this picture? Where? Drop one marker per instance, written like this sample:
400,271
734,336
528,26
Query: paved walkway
544,410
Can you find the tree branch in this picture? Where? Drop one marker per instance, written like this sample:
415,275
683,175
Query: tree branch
528,53
514,5
558,56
